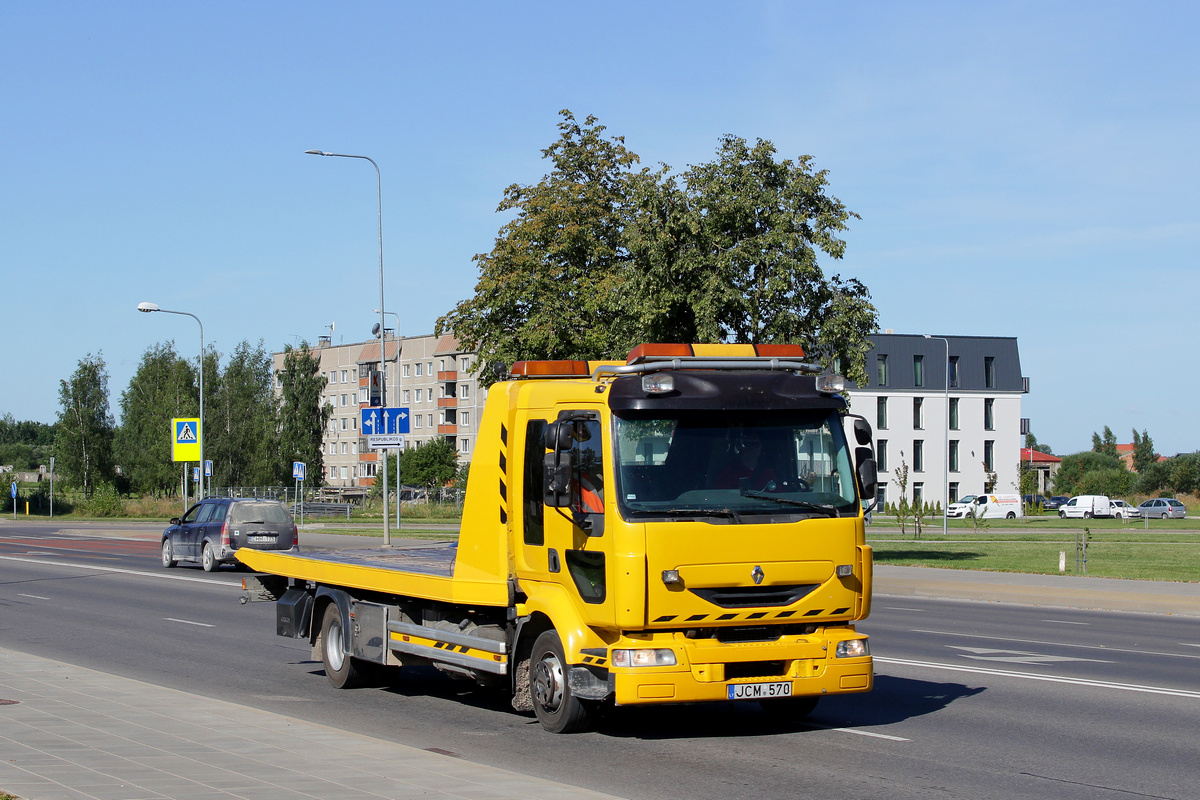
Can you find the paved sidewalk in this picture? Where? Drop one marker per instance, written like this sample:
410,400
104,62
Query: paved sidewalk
78,734
1060,591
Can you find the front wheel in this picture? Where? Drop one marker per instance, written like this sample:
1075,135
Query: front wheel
555,705
342,670
1062,515
168,555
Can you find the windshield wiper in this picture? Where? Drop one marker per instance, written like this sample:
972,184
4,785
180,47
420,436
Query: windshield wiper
728,513
826,509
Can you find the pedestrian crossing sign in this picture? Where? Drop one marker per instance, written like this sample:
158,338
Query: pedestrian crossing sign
186,439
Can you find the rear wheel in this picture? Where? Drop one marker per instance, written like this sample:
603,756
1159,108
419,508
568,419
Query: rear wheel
1164,516
168,555
1087,515
208,559
342,670
555,705
1010,515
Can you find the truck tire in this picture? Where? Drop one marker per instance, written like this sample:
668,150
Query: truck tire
342,670
168,554
556,707
208,558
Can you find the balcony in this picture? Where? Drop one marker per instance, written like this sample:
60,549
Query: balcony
447,402
447,375
450,429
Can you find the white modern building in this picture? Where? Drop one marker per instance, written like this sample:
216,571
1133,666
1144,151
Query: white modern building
950,417
433,378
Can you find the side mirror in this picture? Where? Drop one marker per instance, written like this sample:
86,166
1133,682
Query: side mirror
862,431
556,479
868,473
558,436
174,520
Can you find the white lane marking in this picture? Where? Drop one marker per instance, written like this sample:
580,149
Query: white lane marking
121,571
34,596
1064,622
1017,656
1003,673
872,734
900,608
189,622
1059,644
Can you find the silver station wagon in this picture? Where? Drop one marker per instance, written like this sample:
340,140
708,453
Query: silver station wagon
215,528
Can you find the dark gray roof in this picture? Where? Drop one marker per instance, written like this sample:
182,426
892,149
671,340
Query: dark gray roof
970,350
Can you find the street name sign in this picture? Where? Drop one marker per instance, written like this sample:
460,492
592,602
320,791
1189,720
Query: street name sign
383,441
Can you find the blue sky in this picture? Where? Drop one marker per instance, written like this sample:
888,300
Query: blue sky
1022,169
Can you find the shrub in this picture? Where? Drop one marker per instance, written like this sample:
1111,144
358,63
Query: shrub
104,502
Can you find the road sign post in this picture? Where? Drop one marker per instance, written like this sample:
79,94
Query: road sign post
298,470
51,487
14,499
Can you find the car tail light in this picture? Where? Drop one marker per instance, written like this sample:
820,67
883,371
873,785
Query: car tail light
225,534
295,535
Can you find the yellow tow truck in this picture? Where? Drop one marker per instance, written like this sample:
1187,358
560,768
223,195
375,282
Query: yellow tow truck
685,526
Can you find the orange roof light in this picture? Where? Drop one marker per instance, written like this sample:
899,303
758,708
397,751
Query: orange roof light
550,369
645,351
660,351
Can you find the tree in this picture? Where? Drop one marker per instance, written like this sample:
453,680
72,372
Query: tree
1031,443
83,444
162,388
601,257
241,424
303,417
1073,467
1107,445
1143,451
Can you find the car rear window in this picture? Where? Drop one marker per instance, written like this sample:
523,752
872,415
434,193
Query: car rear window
261,511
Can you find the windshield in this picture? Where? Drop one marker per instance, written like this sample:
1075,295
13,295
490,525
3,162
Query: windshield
730,464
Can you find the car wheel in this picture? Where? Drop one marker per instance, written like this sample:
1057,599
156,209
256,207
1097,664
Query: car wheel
1087,515
1164,516
208,558
168,556
1010,515
1062,515
556,706
341,670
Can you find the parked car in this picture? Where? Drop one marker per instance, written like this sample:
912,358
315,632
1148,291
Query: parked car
1123,510
1086,506
1163,508
987,506
1056,502
212,530
1032,501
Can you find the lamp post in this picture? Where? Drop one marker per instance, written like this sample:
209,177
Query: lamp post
397,334
946,449
387,537
150,307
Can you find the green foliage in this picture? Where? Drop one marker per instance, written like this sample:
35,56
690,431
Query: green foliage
431,464
601,257
303,416
1153,477
163,387
1185,473
1028,479
1106,445
104,502
83,445
1143,452
241,422
1111,481
1073,467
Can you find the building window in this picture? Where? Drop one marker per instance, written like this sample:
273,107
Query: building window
464,419
465,363
354,423
333,448
345,473
989,417
882,375
918,413
881,413
417,420
431,369
344,380
953,413
406,370
989,372
918,494
918,371
954,455
954,371
407,396
881,496
343,423
465,445
345,448
918,455
464,390
418,370
354,448
954,492
989,448
881,455
420,394
430,417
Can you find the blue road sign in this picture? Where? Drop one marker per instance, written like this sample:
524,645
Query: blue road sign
207,468
384,421
14,490
195,474
298,470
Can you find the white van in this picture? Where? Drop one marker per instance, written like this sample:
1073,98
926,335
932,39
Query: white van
1086,506
987,506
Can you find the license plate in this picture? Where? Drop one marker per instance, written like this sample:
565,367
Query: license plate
759,691
262,539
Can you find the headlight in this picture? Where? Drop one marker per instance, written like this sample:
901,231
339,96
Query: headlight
643,658
852,648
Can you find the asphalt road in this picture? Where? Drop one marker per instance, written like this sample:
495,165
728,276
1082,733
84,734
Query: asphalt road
972,700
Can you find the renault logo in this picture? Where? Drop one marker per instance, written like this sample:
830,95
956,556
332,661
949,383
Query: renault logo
758,575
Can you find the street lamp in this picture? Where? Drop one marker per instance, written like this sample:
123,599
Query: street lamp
946,450
387,538
146,308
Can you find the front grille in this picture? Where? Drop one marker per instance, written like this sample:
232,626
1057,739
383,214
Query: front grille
755,669
754,596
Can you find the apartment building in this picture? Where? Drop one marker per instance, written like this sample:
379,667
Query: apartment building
429,375
950,418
